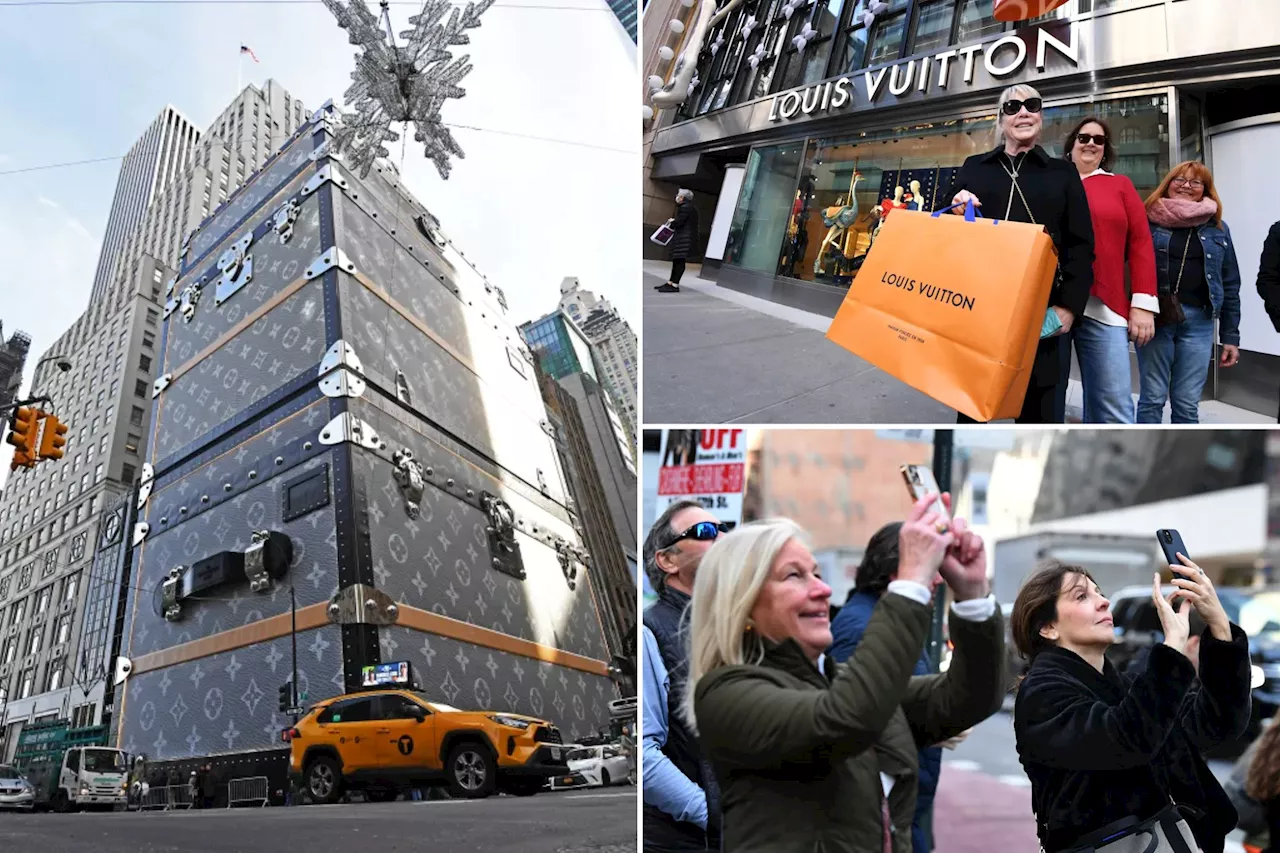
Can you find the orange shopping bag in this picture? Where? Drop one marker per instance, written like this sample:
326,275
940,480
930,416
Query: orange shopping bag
952,306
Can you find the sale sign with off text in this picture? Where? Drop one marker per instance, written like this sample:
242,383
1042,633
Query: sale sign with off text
704,465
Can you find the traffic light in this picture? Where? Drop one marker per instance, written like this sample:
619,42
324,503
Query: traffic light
52,439
286,697
24,426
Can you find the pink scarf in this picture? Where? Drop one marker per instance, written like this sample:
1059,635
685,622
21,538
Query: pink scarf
1181,213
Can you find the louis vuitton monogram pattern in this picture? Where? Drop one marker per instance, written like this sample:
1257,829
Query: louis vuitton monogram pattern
228,527
440,561
252,195
275,265
288,341
227,702
474,678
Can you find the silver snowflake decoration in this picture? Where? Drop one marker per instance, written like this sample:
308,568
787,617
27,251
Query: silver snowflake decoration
405,83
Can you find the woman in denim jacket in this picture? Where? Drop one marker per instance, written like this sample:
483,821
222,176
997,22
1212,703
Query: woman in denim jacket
1196,263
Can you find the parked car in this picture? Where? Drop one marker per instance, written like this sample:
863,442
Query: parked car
594,766
15,791
1137,627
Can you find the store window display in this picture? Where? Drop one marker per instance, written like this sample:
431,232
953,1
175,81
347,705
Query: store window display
811,210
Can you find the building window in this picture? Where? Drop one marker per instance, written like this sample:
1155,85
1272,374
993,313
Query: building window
140,388
24,579
56,670
26,682
43,598
69,587
932,30
135,417
148,339
33,640
127,472
885,44
10,650
63,631
144,363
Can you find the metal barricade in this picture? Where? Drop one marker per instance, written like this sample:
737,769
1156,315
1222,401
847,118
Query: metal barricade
180,796
250,789
154,798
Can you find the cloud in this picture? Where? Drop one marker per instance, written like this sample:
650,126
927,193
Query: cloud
48,203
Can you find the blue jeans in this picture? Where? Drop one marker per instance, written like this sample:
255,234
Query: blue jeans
1103,352
1174,366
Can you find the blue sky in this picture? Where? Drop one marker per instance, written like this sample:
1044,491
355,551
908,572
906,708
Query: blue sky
82,82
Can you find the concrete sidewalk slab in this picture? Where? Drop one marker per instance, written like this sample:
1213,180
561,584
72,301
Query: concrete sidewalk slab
712,360
714,355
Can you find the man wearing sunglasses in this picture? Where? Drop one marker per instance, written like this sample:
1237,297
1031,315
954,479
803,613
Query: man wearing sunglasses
681,798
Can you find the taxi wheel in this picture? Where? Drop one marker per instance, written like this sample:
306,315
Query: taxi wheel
471,771
324,780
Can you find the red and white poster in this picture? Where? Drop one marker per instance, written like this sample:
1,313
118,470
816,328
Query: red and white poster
705,465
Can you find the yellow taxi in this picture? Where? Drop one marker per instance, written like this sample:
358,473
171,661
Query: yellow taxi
385,740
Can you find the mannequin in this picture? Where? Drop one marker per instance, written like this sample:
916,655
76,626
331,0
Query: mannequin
917,201
886,207
838,219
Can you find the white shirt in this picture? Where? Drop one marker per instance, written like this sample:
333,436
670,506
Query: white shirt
1098,310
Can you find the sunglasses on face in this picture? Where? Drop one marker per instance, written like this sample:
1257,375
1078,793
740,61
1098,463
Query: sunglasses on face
1011,107
703,531
1084,138
1191,182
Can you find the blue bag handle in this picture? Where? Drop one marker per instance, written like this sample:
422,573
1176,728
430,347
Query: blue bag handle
969,211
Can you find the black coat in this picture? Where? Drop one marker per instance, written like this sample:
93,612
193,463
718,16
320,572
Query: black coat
682,245
1101,746
1269,278
1056,195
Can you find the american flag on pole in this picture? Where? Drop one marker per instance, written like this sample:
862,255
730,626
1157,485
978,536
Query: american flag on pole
245,49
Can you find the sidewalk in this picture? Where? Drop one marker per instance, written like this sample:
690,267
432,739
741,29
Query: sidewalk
977,813
713,355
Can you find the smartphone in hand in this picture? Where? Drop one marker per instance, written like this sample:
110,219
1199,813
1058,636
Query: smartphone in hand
920,482
1171,544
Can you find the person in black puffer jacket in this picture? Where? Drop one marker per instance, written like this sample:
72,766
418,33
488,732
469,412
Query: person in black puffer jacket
1103,748
685,224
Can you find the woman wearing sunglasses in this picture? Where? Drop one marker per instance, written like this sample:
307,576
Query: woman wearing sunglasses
1199,282
1019,181
1112,317
828,760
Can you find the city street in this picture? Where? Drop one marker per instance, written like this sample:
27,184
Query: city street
595,821
713,355
984,797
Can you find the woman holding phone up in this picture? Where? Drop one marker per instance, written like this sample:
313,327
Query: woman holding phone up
813,760
1112,757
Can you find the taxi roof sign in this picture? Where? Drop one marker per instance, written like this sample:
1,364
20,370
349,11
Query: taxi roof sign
383,674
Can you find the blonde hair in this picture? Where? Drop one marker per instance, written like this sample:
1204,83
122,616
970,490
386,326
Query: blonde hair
1018,90
725,590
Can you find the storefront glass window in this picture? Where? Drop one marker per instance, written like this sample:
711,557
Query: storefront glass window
886,39
824,213
766,43
853,49
1190,121
976,21
933,27
764,207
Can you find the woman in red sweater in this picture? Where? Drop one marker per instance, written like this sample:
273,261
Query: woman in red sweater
1113,317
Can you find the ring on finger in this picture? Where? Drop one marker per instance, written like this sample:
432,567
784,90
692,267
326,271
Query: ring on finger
940,526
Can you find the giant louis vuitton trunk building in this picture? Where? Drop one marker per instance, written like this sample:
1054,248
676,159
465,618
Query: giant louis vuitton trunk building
343,408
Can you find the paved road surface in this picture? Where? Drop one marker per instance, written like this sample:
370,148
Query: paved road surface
596,821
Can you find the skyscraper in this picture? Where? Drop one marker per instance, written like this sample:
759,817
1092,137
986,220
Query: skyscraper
13,355
158,157
53,521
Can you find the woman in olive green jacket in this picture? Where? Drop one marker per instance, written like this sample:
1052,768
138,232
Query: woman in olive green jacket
808,762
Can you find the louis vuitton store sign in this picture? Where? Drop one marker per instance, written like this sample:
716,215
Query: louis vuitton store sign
948,72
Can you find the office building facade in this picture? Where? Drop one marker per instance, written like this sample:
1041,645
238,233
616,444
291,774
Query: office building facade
13,359
157,159
55,515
